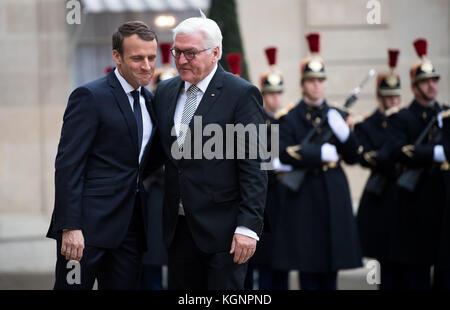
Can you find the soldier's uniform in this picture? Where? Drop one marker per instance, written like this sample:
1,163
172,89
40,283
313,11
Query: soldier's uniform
443,263
418,214
262,261
380,194
320,234
156,255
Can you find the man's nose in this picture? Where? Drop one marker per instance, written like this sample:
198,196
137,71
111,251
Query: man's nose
146,65
182,59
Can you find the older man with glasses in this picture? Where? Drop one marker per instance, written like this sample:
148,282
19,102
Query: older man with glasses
213,208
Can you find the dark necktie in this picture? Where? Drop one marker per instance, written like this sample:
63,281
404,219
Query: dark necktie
138,115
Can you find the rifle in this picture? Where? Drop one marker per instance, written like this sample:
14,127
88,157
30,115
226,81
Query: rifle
408,179
294,179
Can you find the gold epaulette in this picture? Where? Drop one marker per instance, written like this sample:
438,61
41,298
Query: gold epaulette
339,107
283,111
392,111
359,119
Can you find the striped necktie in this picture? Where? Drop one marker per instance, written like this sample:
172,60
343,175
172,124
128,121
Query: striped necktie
189,109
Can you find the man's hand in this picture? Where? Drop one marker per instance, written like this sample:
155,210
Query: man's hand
72,244
243,248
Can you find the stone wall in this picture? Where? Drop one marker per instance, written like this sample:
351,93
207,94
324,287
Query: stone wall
349,46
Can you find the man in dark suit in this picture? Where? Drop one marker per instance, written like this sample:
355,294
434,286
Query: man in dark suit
213,208
156,255
108,128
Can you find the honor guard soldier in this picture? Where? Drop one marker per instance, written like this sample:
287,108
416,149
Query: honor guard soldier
272,87
415,142
380,195
156,256
320,234
442,280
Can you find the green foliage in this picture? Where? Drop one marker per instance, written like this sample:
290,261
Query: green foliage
223,12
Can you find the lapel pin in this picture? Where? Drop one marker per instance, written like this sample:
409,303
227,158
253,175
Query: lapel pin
212,95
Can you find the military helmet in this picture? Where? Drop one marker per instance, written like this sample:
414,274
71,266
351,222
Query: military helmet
271,81
388,84
166,72
313,66
423,69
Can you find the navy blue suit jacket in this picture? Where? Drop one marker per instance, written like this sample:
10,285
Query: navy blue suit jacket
218,194
97,166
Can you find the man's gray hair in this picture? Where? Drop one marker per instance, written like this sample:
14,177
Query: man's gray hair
207,26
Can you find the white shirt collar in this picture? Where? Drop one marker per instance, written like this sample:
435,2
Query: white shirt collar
203,84
125,85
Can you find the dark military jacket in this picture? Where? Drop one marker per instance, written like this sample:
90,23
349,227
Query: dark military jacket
418,215
320,232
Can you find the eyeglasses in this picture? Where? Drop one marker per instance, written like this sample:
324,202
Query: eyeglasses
189,54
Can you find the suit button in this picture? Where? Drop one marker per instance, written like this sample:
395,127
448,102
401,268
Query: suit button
179,171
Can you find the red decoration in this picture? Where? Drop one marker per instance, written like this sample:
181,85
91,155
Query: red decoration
393,58
421,47
165,51
108,69
234,63
271,54
313,42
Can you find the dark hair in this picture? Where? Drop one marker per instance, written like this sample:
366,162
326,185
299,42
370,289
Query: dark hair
129,28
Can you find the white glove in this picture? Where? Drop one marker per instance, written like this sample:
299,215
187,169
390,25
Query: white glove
439,119
338,125
278,166
328,153
438,154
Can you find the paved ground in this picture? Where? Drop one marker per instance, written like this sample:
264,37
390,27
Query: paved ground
27,257
348,280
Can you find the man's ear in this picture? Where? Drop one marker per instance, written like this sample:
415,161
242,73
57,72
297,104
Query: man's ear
117,57
216,52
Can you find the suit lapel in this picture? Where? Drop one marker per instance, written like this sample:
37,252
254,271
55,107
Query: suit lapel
210,96
124,105
172,100
149,104
148,96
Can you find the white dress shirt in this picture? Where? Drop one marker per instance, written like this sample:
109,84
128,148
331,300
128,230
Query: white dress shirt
202,85
147,125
